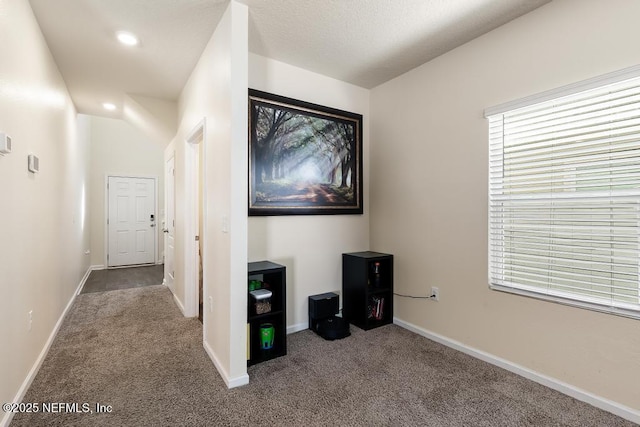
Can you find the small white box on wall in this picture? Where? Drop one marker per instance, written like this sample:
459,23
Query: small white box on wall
34,163
5,143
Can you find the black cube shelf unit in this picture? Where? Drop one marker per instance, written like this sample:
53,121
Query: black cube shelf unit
273,278
367,289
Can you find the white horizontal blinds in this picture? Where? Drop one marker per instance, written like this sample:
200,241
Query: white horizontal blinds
565,197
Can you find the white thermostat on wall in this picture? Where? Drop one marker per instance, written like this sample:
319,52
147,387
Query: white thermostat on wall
34,163
5,143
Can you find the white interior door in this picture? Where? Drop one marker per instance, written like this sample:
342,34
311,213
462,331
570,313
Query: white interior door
170,223
131,221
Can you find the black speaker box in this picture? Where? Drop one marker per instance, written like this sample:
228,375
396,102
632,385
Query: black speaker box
322,306
322,317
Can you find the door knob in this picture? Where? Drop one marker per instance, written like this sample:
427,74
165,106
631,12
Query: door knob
165,231
152,225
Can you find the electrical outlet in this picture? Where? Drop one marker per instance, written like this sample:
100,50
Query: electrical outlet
435,293
211,304
30,319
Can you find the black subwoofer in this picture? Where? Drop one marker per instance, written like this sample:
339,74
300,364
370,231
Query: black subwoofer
322,317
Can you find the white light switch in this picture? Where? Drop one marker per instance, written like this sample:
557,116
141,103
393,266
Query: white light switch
225,224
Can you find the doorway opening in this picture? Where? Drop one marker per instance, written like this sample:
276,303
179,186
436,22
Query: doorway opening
200,239
195,208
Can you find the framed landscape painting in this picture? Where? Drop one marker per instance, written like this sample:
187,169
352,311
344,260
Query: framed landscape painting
304,159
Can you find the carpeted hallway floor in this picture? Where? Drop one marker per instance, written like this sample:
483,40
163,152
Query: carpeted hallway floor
123,278
133,350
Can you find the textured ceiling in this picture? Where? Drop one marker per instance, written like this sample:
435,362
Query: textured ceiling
367,42
364,42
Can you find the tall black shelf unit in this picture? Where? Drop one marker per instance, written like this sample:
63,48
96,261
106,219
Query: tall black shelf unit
274,278
367,289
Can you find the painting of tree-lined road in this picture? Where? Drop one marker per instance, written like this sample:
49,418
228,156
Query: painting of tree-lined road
304,159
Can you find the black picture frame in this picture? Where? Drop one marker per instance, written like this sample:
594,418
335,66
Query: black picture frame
304,158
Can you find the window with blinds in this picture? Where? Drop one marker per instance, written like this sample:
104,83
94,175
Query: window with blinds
564,196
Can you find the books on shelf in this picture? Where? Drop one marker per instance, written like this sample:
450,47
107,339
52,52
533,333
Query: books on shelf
376,308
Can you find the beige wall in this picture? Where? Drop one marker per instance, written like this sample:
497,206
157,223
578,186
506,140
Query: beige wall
156,118
429,193
44,230
217,92
311,246
120,149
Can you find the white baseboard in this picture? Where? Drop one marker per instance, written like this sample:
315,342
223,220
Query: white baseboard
553,383
178,303
177,300
297,328
8,416
86,276
230,382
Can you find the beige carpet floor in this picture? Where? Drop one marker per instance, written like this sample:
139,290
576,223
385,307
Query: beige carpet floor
112,279
133,350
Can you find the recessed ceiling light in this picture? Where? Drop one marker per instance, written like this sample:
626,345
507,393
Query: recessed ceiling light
109,106
127,38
